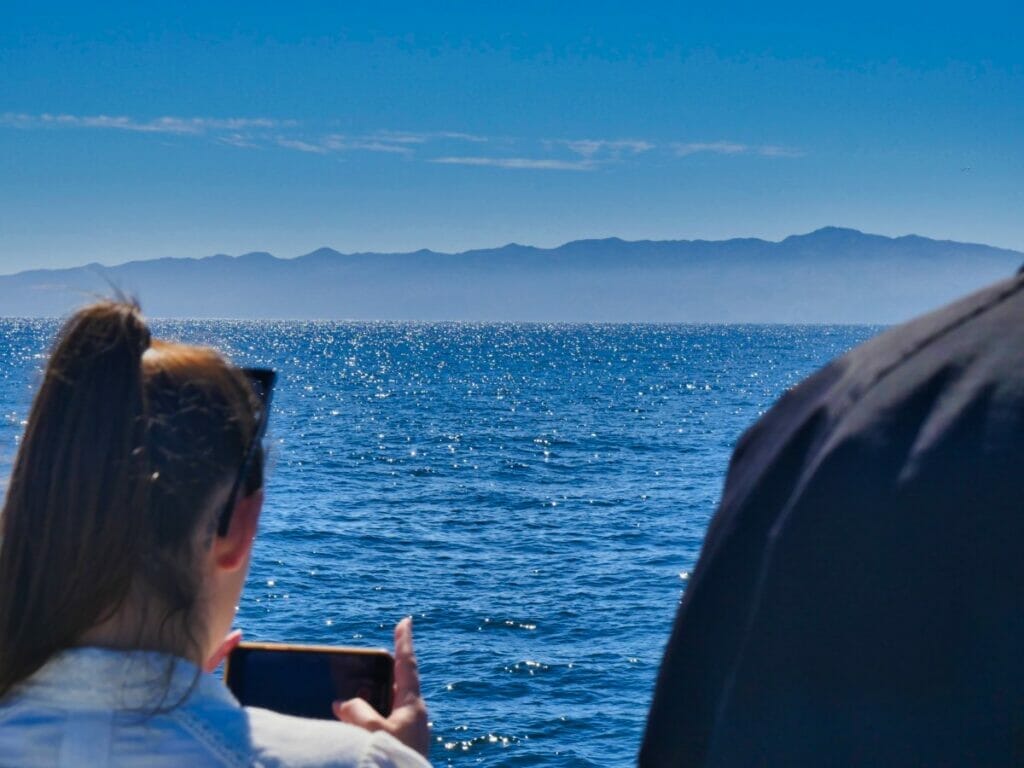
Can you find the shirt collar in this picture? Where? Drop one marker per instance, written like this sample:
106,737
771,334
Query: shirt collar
135,680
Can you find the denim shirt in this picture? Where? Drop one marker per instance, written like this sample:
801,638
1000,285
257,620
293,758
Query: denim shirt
99,707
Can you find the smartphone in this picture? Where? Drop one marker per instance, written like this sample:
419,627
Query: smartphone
305,680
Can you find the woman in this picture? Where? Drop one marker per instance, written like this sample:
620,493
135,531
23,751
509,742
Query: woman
127,533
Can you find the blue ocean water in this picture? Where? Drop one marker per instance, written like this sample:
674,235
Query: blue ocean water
533,495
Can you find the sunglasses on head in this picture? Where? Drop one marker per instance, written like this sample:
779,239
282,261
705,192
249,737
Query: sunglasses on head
262,382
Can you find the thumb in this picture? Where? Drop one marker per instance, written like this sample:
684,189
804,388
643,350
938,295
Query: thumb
359,712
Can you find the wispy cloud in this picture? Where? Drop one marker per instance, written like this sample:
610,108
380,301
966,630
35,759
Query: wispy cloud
365,145
400,145
442,147
413,137
175,125
302,146
393,142
544,164
399,137
733,148
557,154
336,142
462,137
239,140
615,148
714,147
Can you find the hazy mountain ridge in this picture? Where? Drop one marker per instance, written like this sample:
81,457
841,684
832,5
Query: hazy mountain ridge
830,275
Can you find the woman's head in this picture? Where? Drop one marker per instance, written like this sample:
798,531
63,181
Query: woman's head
110,522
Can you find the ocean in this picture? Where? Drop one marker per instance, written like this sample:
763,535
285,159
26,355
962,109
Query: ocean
535,496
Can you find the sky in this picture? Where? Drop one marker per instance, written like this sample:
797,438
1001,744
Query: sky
146,130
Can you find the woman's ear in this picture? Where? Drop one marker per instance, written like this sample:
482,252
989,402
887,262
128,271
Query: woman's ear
231,551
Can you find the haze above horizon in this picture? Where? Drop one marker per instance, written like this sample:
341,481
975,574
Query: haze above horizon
128,132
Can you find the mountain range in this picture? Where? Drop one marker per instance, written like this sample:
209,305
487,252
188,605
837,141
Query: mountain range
832,275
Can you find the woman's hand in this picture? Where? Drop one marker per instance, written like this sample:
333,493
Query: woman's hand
408,720
226,647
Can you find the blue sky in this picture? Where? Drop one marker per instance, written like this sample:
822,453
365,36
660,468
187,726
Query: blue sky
146,130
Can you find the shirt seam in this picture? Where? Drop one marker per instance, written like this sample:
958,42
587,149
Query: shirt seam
210,739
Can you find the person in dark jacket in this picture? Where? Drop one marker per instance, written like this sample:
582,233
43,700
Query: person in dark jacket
859,600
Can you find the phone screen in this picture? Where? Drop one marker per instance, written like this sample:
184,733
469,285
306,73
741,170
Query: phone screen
304,681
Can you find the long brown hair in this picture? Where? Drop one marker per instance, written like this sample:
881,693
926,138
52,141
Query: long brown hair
127,441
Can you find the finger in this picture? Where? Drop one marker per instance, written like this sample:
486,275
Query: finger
227,646
407,676
359,712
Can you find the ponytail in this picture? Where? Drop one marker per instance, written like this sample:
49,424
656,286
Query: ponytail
93,516
77,487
